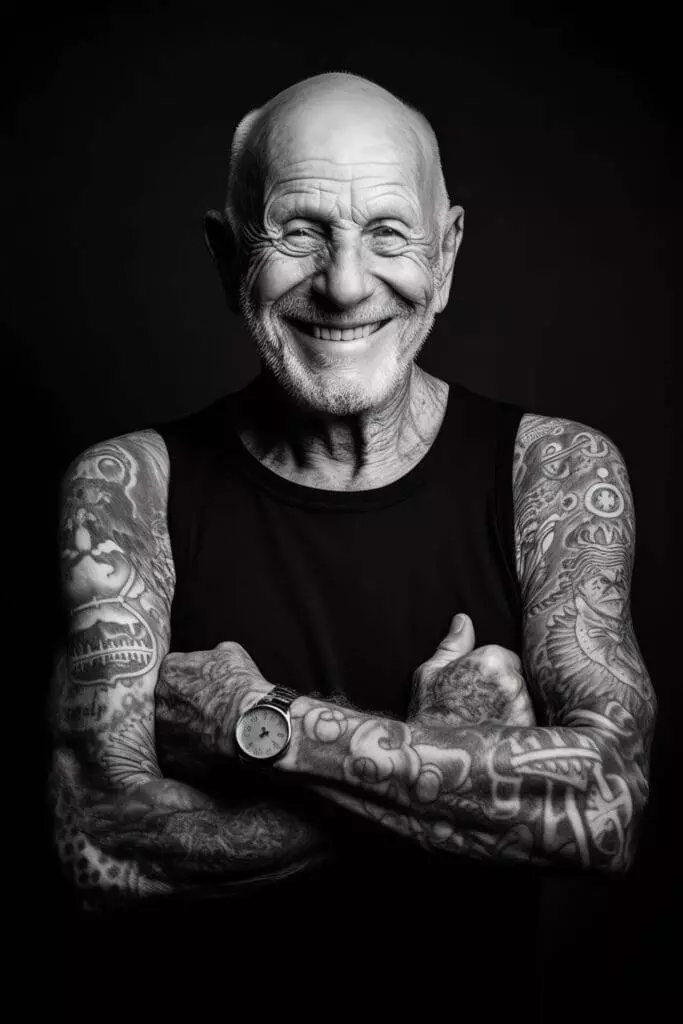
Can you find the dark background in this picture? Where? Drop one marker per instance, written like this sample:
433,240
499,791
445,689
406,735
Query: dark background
557,136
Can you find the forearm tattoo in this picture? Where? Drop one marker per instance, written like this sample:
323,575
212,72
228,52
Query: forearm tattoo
574,789
121,828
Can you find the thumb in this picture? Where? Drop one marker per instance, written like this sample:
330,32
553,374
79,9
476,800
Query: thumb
458,641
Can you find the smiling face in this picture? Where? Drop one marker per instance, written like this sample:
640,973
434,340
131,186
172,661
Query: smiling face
348,257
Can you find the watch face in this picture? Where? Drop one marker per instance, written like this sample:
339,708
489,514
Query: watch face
263,732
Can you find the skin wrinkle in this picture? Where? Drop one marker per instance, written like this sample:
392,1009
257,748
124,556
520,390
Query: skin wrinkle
369,245
423,141
469,772
409,429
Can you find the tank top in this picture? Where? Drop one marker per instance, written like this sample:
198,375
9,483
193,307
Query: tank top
345,594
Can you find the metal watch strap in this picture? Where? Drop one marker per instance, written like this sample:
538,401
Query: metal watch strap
281,697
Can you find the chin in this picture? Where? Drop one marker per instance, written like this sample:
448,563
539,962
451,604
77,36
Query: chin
334,389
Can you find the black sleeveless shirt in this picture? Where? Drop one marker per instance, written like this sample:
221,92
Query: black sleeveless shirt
346,593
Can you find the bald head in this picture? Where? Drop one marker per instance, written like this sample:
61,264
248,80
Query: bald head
314,114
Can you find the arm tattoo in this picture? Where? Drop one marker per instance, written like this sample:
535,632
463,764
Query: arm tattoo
122,828
572,790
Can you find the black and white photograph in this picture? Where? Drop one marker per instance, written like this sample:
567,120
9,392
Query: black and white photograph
341,374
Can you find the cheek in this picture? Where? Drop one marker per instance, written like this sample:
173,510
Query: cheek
409,277
273,275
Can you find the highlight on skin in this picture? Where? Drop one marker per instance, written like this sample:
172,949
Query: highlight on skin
324,150
469,772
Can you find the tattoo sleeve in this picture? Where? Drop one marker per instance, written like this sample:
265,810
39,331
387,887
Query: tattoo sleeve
122,829
573,790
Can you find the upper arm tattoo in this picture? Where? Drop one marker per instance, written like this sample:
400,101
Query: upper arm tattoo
575,537
117,575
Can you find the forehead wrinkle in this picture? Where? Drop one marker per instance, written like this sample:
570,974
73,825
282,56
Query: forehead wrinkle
332,170
346,205
275,126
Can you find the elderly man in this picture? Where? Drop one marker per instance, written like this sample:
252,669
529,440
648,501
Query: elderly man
293,675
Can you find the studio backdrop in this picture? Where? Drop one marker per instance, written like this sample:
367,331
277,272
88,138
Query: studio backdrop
557,141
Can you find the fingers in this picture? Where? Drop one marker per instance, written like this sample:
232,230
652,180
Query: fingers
460,637
458,642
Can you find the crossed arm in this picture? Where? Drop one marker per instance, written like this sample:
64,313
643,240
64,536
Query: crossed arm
573,790
122,827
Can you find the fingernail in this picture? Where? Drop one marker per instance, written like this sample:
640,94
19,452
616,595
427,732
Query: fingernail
458,623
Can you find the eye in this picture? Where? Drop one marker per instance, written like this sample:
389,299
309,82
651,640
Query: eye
302,230
387,238
385,231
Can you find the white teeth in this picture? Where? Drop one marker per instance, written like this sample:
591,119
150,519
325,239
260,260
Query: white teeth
335,334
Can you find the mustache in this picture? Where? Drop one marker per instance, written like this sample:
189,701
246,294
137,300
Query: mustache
317,313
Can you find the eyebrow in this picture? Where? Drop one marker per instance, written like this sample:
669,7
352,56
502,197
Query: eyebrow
304,206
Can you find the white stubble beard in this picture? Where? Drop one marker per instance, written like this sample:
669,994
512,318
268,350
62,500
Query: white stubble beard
340,390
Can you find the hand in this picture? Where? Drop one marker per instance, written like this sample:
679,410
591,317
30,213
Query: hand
462,685
199,696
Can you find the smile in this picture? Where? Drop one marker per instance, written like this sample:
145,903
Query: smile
322,332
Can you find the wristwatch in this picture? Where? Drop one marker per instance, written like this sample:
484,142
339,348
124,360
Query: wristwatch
262,732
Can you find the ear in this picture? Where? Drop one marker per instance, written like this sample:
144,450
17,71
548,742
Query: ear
450,244
222,244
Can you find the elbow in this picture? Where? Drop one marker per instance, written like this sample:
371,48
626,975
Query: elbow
92,880
615,821
97,881
92,876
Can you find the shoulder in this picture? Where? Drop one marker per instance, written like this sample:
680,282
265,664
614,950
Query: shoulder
117,488
553,449
113,515
571,494
137,460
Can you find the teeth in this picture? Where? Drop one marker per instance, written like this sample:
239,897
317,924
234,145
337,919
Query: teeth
334,334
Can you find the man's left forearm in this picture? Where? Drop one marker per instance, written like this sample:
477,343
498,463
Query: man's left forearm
544,794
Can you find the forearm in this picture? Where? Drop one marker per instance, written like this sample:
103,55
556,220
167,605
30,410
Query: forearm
548,795
160,836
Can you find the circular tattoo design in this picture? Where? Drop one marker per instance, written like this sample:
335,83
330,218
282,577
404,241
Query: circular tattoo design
569,502
442,831
111,468
603,473
604,500
366,769
429,783
328,725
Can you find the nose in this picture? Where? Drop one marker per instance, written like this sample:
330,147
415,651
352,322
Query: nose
344,280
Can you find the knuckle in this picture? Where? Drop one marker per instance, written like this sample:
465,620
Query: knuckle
491,657
229,647
495,658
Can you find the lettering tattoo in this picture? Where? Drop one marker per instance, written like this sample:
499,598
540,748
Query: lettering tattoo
571,790
122,829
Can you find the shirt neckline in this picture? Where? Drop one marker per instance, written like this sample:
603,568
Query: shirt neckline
292,493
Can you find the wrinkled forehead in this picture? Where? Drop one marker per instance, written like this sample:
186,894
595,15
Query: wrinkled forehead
344,140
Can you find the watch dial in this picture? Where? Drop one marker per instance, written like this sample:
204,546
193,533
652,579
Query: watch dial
263,732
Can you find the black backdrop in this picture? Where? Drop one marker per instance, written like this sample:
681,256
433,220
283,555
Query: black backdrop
557,136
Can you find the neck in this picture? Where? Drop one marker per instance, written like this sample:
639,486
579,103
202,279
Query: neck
359,452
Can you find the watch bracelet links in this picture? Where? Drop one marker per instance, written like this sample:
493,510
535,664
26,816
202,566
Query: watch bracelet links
281,697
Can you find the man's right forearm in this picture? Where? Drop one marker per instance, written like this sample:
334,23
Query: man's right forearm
162,836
